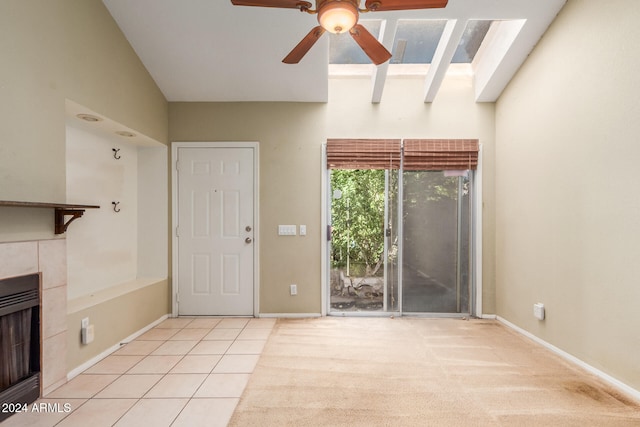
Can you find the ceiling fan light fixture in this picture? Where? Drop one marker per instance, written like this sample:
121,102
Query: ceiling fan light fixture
338,16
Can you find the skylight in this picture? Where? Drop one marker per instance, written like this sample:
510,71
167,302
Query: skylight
472,38
415,42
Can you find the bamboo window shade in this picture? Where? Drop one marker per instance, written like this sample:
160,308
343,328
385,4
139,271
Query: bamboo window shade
440,154
363,153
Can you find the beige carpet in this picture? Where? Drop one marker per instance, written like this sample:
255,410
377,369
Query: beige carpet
420,372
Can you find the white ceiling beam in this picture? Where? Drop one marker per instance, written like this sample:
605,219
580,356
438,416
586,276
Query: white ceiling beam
442,57
493,68
387,37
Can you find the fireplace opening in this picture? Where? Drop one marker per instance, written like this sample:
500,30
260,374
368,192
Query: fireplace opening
19,341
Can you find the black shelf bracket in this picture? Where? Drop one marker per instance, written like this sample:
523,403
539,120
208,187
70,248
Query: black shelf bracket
60,224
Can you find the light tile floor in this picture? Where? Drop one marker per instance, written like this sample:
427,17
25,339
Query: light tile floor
184,372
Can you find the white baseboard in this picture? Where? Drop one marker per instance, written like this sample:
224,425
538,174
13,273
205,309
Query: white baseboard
290,315
89,363
595,371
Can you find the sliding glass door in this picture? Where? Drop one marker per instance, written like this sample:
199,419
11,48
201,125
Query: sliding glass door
436,242
400,225
420,265
364,245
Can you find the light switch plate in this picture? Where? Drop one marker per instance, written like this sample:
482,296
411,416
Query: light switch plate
303,230
286,230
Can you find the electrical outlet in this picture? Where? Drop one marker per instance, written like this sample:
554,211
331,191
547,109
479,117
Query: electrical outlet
88,334
293,289
539,311
85,323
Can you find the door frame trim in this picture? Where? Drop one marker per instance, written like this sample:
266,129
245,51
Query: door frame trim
175,145
477,257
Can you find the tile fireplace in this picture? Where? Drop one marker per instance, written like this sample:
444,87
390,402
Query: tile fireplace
19,342
45,260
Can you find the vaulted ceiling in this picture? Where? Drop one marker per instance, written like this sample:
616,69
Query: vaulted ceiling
212,51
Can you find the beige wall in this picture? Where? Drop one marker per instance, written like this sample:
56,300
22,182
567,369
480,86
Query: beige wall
568,207
115,319
52,50
291,136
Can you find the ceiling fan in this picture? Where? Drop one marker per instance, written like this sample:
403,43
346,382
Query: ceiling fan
341,16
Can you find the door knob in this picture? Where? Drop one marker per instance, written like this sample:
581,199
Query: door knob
247,240
248,228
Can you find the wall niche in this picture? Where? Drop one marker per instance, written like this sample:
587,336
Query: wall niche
123,246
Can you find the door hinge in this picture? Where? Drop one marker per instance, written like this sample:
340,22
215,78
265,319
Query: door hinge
177,165
177,231
177,296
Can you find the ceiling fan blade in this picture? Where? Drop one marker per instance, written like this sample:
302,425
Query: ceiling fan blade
289,4
371,46
303,47
382,5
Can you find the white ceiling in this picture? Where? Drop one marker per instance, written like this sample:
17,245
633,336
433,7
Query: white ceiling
210,50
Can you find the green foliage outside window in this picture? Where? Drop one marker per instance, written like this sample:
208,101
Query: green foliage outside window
357,218
357,212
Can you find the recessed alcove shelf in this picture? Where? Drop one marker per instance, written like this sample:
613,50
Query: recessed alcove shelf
114,252
61,210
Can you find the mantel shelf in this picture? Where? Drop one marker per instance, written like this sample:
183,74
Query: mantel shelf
60,211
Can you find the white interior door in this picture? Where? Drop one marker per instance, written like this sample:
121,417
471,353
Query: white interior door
215,231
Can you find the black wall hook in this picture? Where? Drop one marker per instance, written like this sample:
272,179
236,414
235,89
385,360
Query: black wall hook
115,153
115,206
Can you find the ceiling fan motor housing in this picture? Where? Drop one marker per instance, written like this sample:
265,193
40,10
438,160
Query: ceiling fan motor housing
337,16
